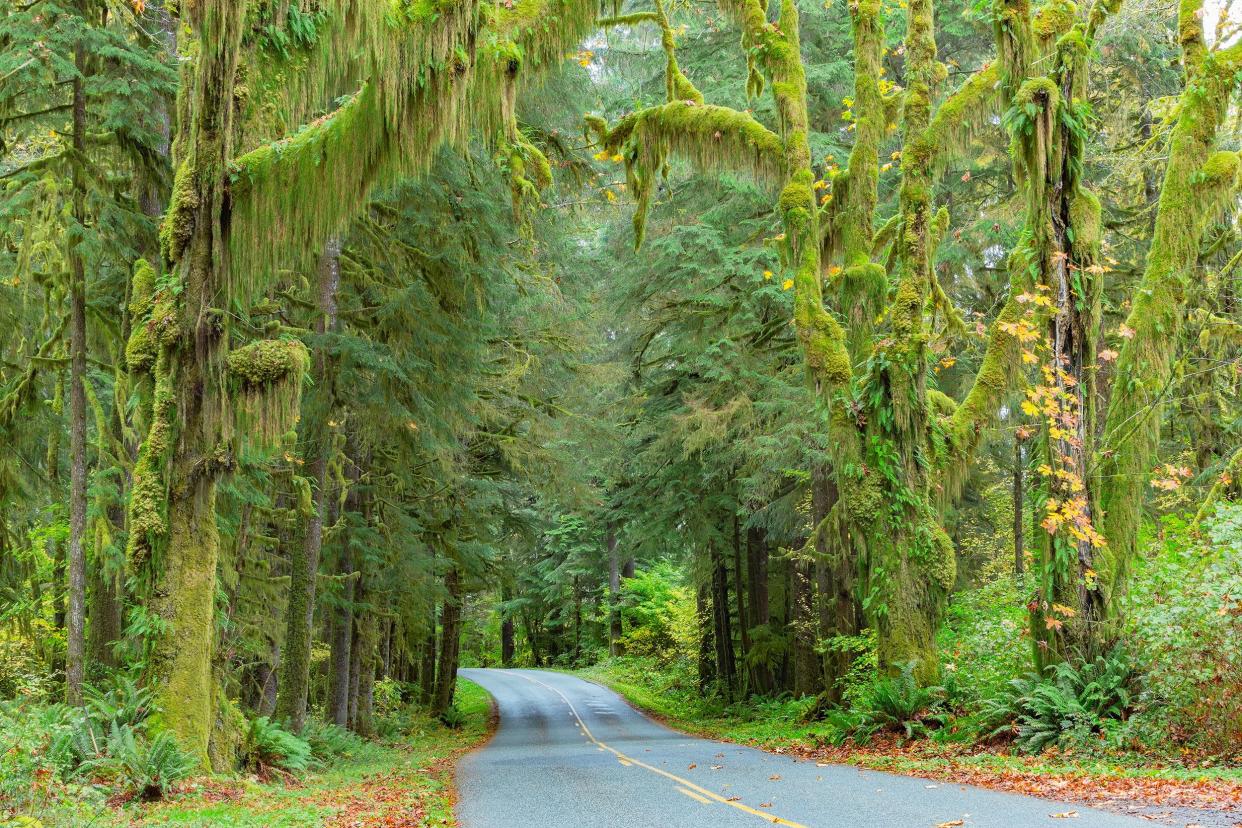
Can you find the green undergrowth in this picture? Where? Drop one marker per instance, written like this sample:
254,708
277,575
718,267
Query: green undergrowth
787,726
403,776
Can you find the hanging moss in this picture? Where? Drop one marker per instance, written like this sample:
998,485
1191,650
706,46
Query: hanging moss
963,113
268,386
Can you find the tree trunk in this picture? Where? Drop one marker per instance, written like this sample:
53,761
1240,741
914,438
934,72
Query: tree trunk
758,617
106,616
726,666
807,673
75,650
355,671
840,613
450,642
427,668
364,719
342,639
386,666
304,559
1019,509
507,647
739,592
191,424
707,638
615,648
506,642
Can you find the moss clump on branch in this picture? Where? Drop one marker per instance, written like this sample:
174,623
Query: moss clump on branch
268,361
268,385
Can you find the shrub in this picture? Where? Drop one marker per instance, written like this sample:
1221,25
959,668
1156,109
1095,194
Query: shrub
1068,705
267,745
1184,617
144,767
900,703
329,742
453,718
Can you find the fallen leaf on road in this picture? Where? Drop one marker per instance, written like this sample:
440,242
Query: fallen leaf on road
951,823
1065,815
717,767
765,804
693,765
733,799
776,777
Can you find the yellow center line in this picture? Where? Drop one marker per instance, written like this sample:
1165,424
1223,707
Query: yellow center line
694,796
711,795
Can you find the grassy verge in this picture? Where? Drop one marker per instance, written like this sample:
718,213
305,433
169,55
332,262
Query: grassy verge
1115,780
405,780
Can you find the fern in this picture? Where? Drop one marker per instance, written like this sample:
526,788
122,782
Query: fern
268,745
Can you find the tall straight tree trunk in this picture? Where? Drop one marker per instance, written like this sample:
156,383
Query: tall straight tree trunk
758,616
304,563
342,639
807,674
615,632
386,667
355,671
840,614
507,647
739,592
75,650
726,666
707,637
1019,509
427,666
364,719
450,642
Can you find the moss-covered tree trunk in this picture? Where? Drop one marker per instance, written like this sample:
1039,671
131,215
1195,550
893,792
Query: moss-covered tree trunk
450,641
75,633
304,558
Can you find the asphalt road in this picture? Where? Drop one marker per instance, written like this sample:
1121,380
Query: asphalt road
571,754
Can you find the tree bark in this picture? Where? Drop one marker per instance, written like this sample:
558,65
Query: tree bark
427,667
1019,509
707,638
758,615
807,674
450,642
739,592
615,632
342,639
726,665
364,719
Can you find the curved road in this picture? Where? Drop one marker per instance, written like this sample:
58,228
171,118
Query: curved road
571,754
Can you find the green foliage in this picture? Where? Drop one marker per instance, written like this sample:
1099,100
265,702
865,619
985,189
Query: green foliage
329,743
266,745
1070,705
1185,621
145,767
900,703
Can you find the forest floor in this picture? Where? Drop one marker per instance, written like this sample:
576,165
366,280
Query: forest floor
1159,790
405,781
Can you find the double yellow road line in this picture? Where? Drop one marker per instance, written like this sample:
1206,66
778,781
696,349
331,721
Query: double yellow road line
684,786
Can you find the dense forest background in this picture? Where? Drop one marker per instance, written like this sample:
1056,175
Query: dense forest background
879,376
